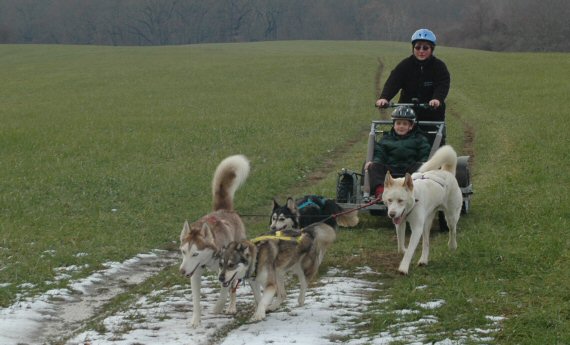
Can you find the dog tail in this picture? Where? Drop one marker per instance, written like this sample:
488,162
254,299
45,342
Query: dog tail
445,158
230,174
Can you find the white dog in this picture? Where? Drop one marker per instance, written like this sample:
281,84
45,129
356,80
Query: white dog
415,199
202,241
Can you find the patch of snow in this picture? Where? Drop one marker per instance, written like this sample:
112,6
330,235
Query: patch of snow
432,304
333,313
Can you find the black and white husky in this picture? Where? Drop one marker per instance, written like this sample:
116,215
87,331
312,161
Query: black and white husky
308,210
266,260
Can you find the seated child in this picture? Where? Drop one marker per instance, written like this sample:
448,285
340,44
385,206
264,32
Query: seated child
402,150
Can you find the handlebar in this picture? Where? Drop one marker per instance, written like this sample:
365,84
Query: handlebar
411,105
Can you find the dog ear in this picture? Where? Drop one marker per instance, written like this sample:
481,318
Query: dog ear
275,207
242,246
207,232
248,250
291,205
408,182
388,180
185,231
275,204
239,246
218,255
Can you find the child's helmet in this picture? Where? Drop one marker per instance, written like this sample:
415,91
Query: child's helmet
424,35
404,112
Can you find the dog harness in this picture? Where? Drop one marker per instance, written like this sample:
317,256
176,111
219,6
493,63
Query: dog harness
211,219
424,177
279,236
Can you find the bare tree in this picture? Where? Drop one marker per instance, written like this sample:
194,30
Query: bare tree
270,14
540,26
529,25
29,15
191,17
152,24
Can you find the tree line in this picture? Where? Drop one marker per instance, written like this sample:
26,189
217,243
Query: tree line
498,25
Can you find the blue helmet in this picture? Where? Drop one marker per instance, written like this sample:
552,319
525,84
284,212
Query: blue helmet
424,35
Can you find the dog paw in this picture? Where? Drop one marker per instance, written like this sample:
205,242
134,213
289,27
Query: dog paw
195,323
231,310
404,267
257,317
422,263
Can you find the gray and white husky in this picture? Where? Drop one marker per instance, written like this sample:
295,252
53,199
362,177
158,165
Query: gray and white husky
265,260
416,198
202,241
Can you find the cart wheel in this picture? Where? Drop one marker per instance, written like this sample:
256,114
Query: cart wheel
442,222
462,171
344,188
465,206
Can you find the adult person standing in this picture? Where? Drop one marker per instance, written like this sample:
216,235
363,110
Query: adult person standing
421,77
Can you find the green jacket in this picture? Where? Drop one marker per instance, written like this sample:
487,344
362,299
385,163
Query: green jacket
401,151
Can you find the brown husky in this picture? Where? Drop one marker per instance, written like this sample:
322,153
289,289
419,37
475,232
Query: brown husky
201,241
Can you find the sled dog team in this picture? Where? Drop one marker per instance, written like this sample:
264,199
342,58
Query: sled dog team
301,231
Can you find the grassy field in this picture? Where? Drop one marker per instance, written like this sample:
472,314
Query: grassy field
105,151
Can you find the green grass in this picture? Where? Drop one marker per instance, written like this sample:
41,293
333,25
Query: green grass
107,150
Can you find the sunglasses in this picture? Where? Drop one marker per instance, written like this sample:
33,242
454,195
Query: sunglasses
422,47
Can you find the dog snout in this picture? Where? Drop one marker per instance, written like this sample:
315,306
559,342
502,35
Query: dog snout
392,214
221,277
182,271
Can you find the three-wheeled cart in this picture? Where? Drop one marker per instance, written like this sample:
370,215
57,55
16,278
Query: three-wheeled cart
352,190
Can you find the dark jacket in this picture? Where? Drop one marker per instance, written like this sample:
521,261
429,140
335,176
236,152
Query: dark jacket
424,80
401,151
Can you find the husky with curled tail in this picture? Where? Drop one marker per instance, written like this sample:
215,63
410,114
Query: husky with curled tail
416,198
201,242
